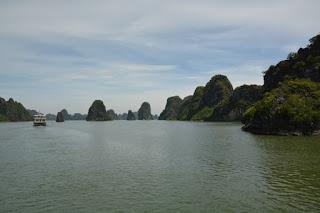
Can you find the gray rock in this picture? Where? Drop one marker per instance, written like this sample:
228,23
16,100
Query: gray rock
131,116
144,112
60,117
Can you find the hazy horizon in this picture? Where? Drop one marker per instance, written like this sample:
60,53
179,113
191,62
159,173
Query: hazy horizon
57,54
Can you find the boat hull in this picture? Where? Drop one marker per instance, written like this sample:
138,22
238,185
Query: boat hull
39,124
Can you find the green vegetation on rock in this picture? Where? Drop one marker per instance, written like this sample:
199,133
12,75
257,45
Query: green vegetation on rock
241,99
184,110
292,102
13,111
292,108
201,105
191,105
172,109
303,64
216,90
203,115
97,112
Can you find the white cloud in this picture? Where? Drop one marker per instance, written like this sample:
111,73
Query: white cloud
126,51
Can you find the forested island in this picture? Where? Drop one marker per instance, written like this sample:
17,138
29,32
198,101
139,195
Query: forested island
98,112
13,111
288,103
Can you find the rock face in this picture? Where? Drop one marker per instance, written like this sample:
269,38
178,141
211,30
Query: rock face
144,113
13,111
97,112
191,105
217,91
65,114
60,117
131,116
111,114
241,99
215,102
184,110
291,109
200,106
291,104
303,64
172,109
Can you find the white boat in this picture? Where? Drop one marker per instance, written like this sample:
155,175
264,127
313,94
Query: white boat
39,120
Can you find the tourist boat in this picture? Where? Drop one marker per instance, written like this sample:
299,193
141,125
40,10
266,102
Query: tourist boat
39,120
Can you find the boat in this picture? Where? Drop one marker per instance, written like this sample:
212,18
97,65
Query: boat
39,120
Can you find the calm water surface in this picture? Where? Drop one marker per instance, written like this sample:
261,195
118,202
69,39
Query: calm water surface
155,166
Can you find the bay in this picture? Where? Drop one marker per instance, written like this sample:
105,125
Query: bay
155,166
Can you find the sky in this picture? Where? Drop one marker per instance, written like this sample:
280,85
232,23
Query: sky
65,54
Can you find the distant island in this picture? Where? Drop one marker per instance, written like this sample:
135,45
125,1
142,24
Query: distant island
98,112
288,103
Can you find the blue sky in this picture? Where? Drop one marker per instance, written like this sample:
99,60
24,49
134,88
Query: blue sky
65,54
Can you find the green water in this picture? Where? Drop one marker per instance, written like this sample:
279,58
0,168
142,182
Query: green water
155,166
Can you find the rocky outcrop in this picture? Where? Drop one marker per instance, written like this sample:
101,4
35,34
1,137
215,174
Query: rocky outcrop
172,109
144,113
184,110
13,111
191,105
131,116
65,114
111,114
200,106
303,64
291,105
97,112
241,99
291,109
60,117
217,91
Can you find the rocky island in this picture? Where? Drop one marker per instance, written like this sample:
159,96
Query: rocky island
288,103
60,117
131,116
13,111
144,113
291,100
217,101
241,99
97,112
111,114
172,109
